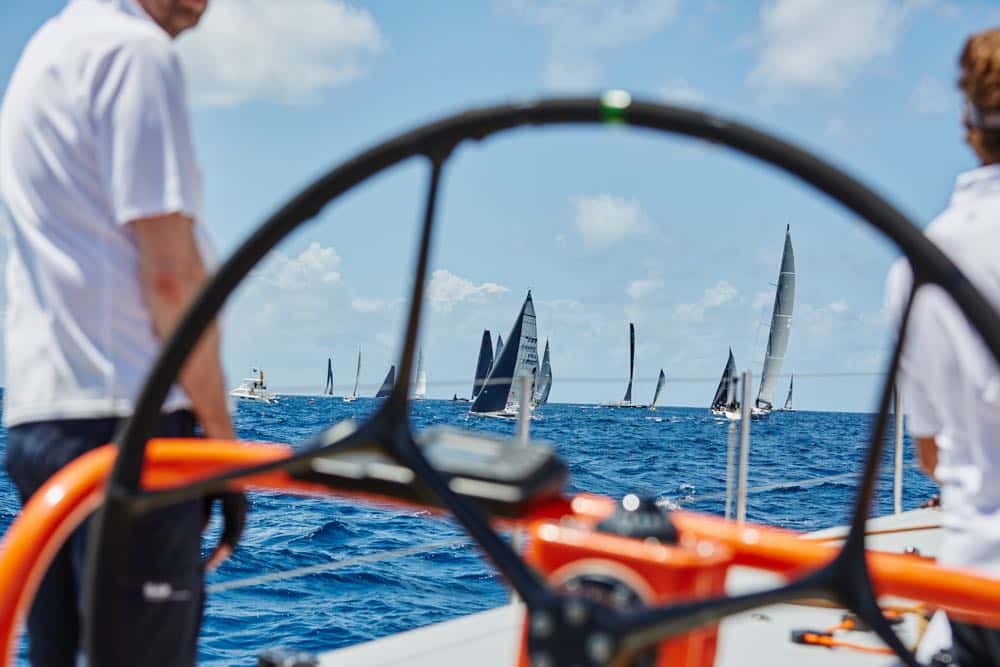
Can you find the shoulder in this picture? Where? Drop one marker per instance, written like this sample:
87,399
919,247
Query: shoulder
105,44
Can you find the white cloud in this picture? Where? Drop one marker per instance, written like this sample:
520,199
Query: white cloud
604,220
822,321
681,92
713,297
314,266
577,33
283,51
446,290
824,45
638,289
762,300
931,96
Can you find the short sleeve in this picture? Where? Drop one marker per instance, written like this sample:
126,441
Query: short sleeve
913,382
143,135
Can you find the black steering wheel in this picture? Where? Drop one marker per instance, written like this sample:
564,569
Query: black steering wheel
604,635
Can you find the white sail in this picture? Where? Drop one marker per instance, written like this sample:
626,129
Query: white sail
781,327
527,353
357,377
420,391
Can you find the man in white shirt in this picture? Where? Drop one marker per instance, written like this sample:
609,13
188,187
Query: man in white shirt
106,251
949,381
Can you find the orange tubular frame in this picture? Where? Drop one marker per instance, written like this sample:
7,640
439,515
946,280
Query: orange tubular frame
71,495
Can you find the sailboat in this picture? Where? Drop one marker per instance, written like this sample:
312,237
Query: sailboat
626,402
659,389
788,399
781,329
544,384
387,383
500,395
328,389
721,398
420,390
357,376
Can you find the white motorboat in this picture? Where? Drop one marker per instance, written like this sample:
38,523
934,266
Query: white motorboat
254,389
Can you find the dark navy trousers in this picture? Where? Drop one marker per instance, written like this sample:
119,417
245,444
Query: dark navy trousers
162,591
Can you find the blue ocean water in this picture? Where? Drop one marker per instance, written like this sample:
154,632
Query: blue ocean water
678,454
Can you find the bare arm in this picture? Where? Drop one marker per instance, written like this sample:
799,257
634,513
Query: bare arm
172,271
927,454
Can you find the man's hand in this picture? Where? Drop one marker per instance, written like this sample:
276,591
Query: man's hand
234,517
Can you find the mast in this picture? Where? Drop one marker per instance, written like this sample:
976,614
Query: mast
659,388
420,391
387,383
328,389
357,375
484,363
544,379
721,392
631,362
519,357
781,326
788,399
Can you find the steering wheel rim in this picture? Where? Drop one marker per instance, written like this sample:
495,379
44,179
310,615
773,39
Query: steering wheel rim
389,427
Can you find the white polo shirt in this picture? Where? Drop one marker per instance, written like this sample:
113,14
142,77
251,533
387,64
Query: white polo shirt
93,134
949,381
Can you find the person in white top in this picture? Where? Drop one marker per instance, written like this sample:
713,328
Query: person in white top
106,250
949,381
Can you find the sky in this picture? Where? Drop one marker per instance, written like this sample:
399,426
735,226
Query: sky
605,226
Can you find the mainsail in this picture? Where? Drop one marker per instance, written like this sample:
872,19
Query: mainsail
328,389
659,388
387,383
781,326
502,388
631,362
544,384
719,401
420,391
496,354
788,399
484,363
357,376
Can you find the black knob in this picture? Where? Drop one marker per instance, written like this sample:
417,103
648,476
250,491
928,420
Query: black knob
640,518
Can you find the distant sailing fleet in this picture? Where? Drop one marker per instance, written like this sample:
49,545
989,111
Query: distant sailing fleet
501,369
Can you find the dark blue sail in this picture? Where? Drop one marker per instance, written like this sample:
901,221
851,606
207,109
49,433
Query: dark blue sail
484,363
496,354
496,389
544,384
328,389
631,362
722,392
387,383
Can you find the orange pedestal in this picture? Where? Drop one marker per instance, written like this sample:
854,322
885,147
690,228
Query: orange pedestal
655,573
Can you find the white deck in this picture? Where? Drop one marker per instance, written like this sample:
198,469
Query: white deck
761,637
